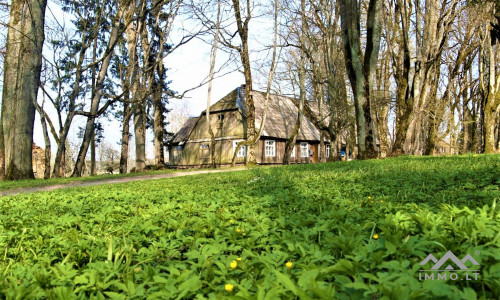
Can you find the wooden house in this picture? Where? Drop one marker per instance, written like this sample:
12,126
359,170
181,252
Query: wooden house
190,146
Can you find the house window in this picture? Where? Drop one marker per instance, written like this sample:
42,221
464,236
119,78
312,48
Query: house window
304,150
177,152
243,150
204,152
220,118
293,152
327,150
270,148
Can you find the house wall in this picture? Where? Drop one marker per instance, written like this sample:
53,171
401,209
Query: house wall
231,126
194,154
280,152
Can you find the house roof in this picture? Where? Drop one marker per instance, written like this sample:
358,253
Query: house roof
228,102
281,118
183,134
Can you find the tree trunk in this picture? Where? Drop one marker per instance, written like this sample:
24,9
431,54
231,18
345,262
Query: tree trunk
96,98
492,101
93,167
213,56
140,137
361,71
290,143
2,153
158,129
22,67
125,138
242,26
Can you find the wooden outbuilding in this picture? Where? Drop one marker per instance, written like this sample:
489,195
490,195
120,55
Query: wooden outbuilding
190,147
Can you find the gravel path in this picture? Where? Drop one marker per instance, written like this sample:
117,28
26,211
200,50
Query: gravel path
28,190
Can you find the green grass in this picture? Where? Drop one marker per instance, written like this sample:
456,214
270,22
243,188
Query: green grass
176,238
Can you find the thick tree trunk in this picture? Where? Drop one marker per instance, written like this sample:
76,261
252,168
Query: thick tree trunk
22,67
361,70
492,102
2,153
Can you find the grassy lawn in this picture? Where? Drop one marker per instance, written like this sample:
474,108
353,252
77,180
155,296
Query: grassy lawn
348,230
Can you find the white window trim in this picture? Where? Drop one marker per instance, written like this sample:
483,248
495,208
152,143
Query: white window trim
328,148
272,147
302,153
243,150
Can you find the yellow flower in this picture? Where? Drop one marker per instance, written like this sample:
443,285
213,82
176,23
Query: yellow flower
381,201
375,236
289,265
238,230
238,259
243,234
231,221
229,287
369,197
233,264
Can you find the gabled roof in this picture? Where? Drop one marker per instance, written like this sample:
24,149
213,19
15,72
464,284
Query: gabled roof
183,134
228,102
281,118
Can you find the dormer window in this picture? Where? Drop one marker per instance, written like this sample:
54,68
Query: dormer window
220,117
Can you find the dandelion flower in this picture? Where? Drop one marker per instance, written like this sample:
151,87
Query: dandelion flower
233,264
238,230
289,265
369,197
238,259
231,221
229,287
375,236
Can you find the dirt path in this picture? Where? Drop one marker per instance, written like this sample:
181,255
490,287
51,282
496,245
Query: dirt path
17,191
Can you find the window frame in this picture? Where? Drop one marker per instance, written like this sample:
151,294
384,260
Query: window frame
327,150
272,146
303,153
244,149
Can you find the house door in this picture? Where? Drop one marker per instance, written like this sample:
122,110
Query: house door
204,154
315,157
